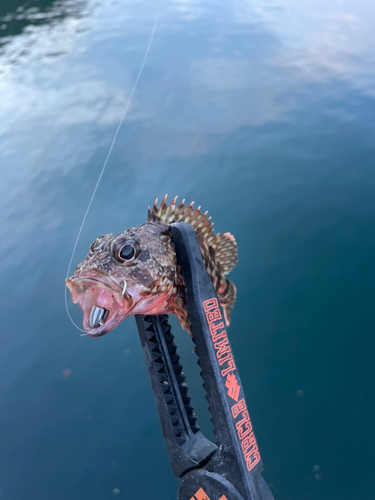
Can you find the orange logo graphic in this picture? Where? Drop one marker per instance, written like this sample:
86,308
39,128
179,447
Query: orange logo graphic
225,360
202,495
233,387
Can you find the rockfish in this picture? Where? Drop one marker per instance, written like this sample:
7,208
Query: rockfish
135,272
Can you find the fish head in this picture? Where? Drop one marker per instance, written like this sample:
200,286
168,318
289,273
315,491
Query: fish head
133,272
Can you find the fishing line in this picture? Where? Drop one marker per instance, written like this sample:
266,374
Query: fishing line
106,160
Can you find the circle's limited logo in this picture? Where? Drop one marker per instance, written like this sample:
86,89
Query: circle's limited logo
227,366
202,495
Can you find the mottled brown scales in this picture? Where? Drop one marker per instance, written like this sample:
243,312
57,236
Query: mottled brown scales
150,282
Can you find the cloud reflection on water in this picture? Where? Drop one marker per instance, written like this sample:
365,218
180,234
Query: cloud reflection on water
319,40
36,13
67,73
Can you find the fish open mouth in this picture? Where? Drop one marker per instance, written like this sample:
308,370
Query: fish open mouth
103,305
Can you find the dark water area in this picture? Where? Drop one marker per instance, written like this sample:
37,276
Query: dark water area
261,112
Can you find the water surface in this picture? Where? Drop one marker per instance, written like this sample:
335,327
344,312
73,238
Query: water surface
261,112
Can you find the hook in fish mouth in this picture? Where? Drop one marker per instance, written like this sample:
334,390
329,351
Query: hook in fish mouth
102,302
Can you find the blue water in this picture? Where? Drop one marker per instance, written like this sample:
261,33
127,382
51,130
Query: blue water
261,112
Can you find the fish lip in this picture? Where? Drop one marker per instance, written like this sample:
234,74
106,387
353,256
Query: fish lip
120,311
126,304
106,327
121,314
109,284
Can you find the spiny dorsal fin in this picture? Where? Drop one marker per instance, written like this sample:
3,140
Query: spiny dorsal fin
223,245
179,213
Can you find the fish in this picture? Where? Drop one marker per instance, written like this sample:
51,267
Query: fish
136,271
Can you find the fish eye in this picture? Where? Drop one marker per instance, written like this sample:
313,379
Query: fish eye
126,251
